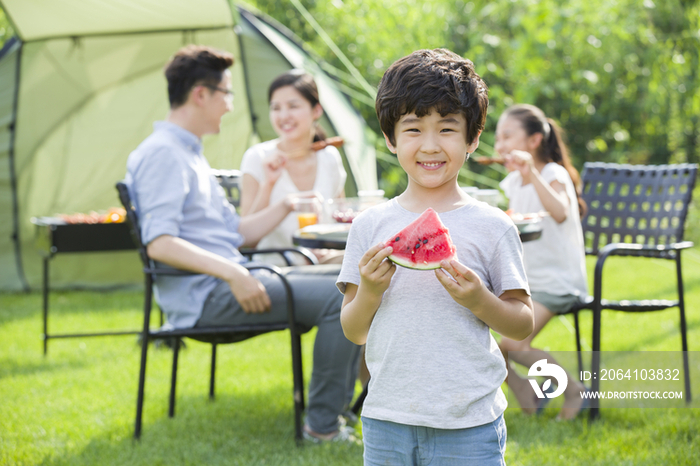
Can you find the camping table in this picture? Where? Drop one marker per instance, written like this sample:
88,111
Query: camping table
54,236
335,236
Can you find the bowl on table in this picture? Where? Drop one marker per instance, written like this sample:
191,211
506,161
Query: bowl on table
345,209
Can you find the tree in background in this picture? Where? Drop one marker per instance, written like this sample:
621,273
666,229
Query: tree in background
621,77
6,30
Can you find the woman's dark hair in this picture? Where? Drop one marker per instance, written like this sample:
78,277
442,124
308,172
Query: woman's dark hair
553,148
305,85
194,65
428,80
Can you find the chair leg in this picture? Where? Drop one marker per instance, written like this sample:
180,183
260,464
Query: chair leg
173,379
144,353
300,375
357,406
298,378
684,329
595,362
578,343
213,371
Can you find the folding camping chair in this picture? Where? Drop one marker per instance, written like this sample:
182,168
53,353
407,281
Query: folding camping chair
230,180
213,335
637,211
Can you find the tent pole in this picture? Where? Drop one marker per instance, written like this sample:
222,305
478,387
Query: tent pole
246,79
13,176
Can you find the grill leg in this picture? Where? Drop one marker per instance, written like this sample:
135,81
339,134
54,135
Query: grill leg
45,296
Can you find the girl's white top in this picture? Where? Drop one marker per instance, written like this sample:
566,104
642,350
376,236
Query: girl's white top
330,181
556,262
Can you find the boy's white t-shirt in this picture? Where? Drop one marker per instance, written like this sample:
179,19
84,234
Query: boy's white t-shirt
556,262
330,182
432,362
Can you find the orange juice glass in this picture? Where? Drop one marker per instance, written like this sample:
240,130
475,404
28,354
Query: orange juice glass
307,218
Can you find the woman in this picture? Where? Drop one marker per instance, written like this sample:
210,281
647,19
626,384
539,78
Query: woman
274,169
542,178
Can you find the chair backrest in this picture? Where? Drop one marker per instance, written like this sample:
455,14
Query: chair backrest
133,219
230,180
642,204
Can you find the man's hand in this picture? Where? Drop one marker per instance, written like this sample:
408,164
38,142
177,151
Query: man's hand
375,270
465,286
250,293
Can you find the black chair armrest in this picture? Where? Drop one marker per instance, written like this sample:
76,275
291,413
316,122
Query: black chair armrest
632,249
624,248
173,272
246,252
308,255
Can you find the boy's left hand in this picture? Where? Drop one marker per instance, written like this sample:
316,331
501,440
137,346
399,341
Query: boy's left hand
465,286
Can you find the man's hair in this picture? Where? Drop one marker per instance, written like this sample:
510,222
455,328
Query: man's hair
192,66
432,80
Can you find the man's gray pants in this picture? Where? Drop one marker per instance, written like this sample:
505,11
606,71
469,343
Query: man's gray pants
317,303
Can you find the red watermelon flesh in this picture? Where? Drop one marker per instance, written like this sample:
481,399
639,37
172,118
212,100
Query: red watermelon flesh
423,243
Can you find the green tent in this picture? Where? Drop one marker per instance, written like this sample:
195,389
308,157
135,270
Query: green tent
82,83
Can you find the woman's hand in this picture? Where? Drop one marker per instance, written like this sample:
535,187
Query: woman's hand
273,164
521,161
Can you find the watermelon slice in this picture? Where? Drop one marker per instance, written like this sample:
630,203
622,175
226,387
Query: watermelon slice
422,244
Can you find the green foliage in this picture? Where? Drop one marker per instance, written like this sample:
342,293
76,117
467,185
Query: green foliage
6,30
620,77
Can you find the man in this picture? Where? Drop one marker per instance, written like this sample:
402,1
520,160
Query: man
187,224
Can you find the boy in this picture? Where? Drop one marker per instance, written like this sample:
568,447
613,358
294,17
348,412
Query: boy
187,224
436,371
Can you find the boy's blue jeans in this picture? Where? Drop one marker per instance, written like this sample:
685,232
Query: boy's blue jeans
388,443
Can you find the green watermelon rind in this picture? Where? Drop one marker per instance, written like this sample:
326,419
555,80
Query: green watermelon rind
404,263
411,262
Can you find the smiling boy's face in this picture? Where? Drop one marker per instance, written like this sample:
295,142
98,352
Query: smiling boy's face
432,148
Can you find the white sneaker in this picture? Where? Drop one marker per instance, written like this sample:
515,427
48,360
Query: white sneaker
344,434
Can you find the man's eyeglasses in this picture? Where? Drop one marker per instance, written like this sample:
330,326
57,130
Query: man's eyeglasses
228,92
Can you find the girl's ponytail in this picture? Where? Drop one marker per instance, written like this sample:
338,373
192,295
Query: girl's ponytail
553,148
319,133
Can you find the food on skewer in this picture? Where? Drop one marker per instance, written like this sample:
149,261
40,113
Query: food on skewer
489,160
336,141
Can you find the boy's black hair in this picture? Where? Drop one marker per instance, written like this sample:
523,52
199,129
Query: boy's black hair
428,80
194,65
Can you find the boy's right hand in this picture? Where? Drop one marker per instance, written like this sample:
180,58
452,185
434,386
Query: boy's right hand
376,270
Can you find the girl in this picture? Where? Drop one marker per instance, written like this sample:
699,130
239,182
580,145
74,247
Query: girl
542,178
273,169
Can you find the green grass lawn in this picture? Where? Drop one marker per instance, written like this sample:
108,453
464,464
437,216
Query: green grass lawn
76,406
